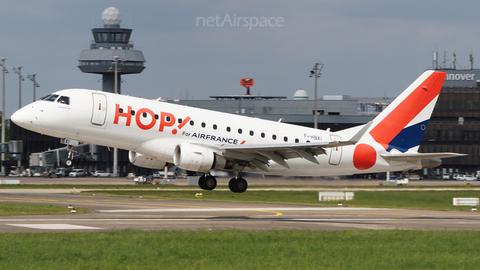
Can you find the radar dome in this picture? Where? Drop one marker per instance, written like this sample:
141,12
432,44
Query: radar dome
112,17
300,95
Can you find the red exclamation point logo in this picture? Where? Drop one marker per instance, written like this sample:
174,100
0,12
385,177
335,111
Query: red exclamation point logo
184,122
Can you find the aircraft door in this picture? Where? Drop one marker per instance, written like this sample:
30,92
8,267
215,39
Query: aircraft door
99,110
335,152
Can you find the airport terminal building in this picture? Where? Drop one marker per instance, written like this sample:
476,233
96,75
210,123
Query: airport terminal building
455,123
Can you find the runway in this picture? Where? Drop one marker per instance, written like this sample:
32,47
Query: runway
146,214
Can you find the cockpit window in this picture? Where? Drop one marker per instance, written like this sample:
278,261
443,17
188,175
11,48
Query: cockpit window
64,100
50,97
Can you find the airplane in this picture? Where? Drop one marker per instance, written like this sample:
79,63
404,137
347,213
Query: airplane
159,134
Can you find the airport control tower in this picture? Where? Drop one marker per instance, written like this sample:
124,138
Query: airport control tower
111,42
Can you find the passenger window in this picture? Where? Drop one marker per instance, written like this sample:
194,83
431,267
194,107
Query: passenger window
191,123
180,120
64,100
214,126
251,132
239,131
297,140
228,129
120,110
262,135
144,115
285,139
274,136
132,112
203,124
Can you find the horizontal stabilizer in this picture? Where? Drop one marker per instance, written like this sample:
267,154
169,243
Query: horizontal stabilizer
410,157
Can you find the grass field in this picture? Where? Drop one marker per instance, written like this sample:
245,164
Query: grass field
241,250
167,187
434,200
35,209
234,249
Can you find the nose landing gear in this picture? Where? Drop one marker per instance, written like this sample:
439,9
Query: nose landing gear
68,162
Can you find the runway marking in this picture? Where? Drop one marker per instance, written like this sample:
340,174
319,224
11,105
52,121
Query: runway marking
273,212
55,226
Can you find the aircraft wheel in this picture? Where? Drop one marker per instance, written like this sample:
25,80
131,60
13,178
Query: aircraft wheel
231,185
210,182
67,162
202,182
238,185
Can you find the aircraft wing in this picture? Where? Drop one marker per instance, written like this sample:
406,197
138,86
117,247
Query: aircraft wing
258,156
411,157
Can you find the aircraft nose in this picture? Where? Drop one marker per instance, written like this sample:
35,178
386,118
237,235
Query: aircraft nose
21,117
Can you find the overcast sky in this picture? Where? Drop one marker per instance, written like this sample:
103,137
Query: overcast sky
369,47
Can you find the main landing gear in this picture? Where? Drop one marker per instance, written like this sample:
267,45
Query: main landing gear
207,182
236,184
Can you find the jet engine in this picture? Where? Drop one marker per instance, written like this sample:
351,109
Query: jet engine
197,158
144,161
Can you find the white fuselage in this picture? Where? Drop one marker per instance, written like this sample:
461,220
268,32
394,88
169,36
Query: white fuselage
155,128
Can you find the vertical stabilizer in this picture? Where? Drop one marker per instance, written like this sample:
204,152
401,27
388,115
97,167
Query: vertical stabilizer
402,124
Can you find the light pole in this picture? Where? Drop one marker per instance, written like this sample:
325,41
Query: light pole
115,86
20,79
3,113
316,71
35,84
